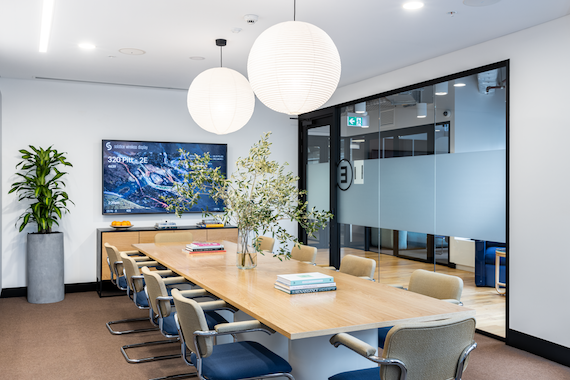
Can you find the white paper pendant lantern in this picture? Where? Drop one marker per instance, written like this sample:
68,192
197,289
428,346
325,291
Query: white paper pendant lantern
220,100
293,67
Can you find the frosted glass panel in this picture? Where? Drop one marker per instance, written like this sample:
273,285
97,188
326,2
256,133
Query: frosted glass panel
318,184
407,193
470,199
359,204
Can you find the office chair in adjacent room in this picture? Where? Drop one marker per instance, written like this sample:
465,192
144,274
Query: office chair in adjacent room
177,237
432,284
236,360
304,253
424,350
266,243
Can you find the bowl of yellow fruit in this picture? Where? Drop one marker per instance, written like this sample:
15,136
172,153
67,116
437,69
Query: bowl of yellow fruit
121,224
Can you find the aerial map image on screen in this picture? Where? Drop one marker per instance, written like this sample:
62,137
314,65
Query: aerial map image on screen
137,174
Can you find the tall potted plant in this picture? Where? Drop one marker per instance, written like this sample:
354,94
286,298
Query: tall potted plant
257,196
41,185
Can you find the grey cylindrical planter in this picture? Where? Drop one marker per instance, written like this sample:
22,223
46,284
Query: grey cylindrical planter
44,265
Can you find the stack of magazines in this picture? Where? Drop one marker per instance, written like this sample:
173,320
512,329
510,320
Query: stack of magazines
305,283
204,247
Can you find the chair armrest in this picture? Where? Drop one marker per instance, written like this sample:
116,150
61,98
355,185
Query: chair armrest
453,301
131,252
355,344
141,258
326,266
165,272
173,280
146,263
216,305
236,328
194,293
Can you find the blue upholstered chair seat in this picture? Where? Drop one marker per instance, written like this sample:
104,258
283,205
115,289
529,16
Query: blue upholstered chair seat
122,282
212,318
382,333
361,374
141,299
241,360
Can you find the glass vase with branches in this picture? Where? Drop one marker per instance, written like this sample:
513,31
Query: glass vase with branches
258,196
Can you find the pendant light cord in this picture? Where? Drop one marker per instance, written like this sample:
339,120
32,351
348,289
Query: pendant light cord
294,10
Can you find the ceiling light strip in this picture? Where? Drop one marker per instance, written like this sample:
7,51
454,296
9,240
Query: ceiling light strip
47,16
110,83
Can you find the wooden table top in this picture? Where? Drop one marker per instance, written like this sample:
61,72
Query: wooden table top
356,305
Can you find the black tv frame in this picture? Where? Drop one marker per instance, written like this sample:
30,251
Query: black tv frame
103,141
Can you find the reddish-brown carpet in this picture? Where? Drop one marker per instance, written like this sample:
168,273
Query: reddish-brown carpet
69,340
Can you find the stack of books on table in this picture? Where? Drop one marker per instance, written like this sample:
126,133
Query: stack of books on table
205,247
305,283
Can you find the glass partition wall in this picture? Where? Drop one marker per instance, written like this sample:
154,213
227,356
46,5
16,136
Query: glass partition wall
419,182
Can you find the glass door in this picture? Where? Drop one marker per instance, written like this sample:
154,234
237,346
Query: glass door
315,164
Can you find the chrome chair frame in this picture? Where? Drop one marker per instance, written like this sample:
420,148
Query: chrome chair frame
160,317
128,320
215,334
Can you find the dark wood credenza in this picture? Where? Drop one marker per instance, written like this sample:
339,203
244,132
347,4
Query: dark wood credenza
124,238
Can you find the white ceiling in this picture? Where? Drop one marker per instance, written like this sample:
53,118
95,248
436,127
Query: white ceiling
373,36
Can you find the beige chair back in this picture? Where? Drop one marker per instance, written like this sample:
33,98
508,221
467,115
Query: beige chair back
357,266
304,253
266,243
430,350
114,256
132,269
174,237
155,288
436,285
191,318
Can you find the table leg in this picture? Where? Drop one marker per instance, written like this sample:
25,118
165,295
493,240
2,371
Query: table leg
314,358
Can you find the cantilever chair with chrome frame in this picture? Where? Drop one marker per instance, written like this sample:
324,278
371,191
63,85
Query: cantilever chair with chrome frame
444,287
266,243
236,360
422,350
161,307
358,266
118,278
304,253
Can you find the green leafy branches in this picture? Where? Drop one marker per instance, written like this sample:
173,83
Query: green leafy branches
41,183
257,196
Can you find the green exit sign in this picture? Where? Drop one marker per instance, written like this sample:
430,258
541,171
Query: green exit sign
354,121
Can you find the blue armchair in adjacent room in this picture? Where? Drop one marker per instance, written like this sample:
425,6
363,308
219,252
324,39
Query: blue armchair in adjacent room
485,263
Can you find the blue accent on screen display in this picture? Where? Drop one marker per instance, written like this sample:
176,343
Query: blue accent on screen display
137,173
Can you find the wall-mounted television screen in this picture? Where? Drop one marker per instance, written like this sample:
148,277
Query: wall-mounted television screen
137,173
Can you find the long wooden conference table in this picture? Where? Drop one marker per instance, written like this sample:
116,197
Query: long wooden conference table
304,322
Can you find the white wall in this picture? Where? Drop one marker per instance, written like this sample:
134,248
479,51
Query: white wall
539,182
75,118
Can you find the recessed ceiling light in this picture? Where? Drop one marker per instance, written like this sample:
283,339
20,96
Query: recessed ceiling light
86,45
459,84
413,5
132,51
196,58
